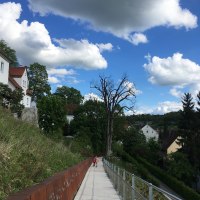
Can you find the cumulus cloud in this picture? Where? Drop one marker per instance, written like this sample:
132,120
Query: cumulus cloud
53,79
91,96
161,108
130,86
122,19
61,72
137,38
105,47
33,43
174,71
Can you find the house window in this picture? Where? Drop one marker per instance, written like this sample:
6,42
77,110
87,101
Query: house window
2,67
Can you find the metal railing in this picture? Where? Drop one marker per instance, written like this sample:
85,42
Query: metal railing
131,187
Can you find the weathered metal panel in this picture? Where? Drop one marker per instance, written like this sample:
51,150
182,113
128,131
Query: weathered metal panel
61,186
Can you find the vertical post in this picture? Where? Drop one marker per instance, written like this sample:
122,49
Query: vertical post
150,192
124,185
133,187
118,178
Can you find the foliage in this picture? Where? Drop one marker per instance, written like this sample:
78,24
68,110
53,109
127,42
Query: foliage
91,115
52,116
27,157
114,96
135,142
71,95
12,99
38,81
16,106
178,186
179,166
130,164
5,95
82,143
9,53
153,154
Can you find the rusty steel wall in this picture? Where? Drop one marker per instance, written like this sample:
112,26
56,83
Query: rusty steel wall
62,186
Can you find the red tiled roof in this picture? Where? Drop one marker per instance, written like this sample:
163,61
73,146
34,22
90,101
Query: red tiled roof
16,71
14,82
29,92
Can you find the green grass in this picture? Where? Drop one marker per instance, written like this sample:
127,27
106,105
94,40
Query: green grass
27,156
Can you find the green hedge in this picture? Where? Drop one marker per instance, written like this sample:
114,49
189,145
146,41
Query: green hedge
139,169
178,186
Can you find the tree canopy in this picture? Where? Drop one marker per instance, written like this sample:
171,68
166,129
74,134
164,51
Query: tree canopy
113,96
9,53
38,81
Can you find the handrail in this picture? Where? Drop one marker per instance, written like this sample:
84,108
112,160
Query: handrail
136,184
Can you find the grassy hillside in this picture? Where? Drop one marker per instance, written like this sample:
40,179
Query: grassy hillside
27,156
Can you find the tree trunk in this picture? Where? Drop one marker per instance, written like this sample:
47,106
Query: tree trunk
109,135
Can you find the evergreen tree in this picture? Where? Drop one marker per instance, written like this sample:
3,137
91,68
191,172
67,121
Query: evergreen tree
38,81
187,127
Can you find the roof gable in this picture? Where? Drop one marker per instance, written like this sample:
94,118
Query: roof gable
17,72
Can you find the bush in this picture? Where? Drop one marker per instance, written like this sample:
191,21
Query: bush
178,186
136,168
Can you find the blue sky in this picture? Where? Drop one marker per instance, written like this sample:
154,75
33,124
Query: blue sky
155,42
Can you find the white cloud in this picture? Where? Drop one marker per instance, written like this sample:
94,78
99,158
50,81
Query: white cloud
91,96
61,72
167,106
122,19
137,38
105,47
33,43
53,79
161,108
131,86
174,71
176,92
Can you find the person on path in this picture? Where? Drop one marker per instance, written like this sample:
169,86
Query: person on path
95,161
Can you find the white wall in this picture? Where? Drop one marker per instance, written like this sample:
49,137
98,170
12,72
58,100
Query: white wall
4,73
149,132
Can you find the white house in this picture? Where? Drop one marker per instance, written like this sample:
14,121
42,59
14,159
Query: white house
4,69
149,132
15,77
18,77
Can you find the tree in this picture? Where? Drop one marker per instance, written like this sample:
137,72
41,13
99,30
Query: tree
5,95
11,99
113,97
16,106
91,115
134,142
52,116
179,166
9,53
187,123
71,95
38,81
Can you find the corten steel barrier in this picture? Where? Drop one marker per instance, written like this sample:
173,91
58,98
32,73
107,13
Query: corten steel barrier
61,186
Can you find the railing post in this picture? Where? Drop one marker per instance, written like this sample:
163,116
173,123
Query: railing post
124,185
118,179
150,192
133,187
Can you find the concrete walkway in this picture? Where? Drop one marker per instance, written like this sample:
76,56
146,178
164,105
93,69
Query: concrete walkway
96,185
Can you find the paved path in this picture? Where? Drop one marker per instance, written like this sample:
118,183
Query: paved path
96,185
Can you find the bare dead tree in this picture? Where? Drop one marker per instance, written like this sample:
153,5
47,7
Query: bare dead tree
115,97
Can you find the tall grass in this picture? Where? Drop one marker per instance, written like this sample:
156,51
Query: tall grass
27,156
